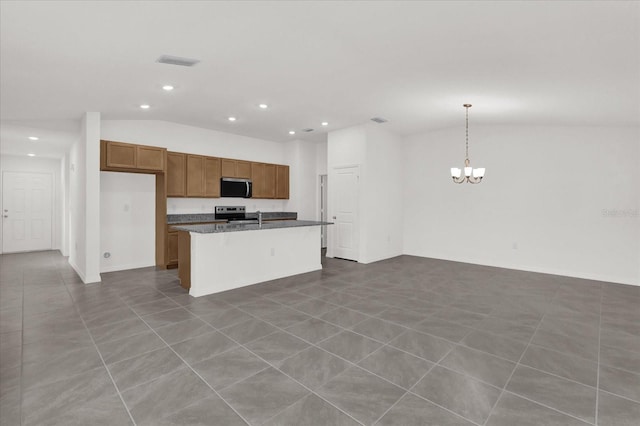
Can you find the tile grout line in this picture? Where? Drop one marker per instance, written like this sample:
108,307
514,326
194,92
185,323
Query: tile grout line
284,373
410,392
353,364
102,359
338,306
276,368
21,346
520,359
598,364
195,372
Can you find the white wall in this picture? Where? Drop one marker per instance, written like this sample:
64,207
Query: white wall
382,225
64,191
303,177
77,204
378,153
52,166
130,200
560,200
84,200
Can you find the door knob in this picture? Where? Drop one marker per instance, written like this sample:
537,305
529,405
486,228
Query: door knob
334,217
6,215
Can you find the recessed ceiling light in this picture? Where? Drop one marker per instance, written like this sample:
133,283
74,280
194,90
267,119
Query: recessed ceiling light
325,123
263,106
231,119
145,106
292,132
167,87
31,155
33,138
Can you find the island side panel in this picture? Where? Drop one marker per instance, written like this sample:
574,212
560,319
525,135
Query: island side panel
184,259
229,260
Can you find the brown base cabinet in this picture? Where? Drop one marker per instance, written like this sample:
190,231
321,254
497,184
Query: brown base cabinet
172,249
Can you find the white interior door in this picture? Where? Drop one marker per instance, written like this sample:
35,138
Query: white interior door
344,186
26,211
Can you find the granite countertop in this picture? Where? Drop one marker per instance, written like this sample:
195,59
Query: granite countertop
173,219
234,227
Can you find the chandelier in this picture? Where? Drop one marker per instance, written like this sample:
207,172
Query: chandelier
471,175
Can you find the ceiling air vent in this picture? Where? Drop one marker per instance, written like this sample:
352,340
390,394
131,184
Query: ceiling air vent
307,130
379,120
176,60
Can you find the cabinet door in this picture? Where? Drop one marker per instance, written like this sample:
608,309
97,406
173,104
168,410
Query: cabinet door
270,181
121,155
195,176
176,174
243,169
282,182
150,158
172,248
257,177
211,177
228,167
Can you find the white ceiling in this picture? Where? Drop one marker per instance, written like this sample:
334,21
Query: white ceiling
413,63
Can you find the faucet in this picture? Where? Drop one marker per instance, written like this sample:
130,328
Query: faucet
259,217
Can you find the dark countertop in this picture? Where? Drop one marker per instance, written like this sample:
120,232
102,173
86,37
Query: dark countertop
233,227
173,219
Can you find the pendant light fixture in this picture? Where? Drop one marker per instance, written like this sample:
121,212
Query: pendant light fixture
471,175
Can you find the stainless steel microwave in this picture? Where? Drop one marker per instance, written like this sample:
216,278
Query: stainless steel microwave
233,187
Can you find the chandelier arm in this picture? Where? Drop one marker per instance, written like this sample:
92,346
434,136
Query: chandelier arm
461,179
474,180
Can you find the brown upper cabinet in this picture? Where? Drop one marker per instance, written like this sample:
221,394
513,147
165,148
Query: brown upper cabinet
118,156
191,175
195,176
263,177
282,182
212,177
235,168
176,174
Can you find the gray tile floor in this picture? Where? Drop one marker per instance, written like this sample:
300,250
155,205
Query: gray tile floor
407,341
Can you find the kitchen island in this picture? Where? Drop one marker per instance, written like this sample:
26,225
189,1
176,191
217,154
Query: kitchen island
219,257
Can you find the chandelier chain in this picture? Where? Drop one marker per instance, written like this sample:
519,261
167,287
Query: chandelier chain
467,133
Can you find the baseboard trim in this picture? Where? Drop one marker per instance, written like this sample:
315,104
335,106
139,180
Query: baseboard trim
538,269
127,266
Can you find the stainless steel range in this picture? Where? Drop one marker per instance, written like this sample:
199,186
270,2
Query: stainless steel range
234,214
